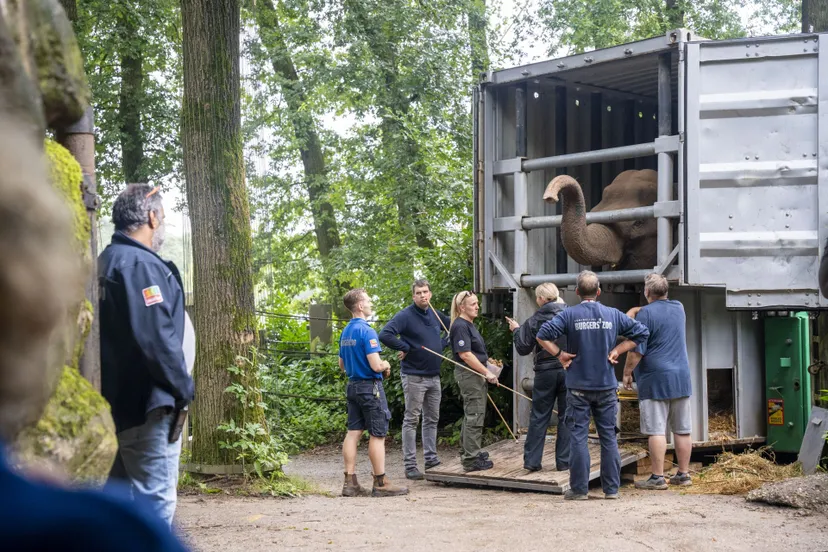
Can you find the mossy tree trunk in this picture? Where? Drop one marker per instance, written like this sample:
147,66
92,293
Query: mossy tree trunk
131,96
814,16
219,211
477,38
305,129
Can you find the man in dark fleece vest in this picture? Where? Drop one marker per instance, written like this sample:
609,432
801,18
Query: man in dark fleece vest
591,330
415,326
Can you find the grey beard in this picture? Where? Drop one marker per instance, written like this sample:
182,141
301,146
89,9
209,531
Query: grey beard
158,237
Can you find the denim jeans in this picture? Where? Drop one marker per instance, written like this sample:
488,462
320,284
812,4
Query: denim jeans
603,405
422,397
149,462
549,386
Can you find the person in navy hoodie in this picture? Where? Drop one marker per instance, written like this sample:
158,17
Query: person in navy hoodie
416,326
591,330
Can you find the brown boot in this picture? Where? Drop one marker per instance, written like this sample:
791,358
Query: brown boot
352,486
384,487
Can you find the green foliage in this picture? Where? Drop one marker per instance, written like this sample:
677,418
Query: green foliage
106,29
250,441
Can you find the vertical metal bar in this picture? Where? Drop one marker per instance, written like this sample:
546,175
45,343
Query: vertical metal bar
630,116
822,159
665,160
596,123
79,139
521,191
489,115
476,212
561,264
520,120
523,307
681,159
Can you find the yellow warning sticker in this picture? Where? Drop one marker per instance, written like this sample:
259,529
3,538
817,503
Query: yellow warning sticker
776,412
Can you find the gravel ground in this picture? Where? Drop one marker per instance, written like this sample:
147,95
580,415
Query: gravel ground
436,517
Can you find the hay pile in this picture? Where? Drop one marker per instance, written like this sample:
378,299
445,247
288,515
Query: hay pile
721,426
630,417
739,473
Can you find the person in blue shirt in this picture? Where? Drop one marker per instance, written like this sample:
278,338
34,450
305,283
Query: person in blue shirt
416,326
591,330
662,374
359,358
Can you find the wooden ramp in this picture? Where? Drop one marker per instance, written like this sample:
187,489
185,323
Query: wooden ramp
508,472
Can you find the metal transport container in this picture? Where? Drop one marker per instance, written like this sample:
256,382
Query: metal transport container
738,132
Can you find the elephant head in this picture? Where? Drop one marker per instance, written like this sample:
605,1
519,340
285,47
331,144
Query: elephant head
624,245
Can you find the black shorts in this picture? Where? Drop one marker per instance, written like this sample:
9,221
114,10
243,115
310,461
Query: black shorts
366,410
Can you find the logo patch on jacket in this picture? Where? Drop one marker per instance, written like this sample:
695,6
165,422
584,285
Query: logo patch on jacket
373,343
152,295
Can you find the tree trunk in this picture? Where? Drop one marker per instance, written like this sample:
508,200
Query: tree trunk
675,14
814,16
71,9
477,38
310,146
131,97
220,215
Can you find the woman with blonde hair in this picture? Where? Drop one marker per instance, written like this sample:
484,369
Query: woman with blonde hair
469,349
549,384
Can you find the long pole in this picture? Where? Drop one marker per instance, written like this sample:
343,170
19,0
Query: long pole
475,372
491,400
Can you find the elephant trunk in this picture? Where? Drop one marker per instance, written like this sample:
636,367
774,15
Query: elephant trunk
593,244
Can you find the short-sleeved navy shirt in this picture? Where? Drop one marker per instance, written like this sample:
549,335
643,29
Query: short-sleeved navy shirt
664,370
358,340
465,337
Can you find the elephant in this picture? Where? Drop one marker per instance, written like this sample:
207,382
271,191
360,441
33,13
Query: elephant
627,245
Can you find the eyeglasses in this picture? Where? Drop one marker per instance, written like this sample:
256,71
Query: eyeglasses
152,192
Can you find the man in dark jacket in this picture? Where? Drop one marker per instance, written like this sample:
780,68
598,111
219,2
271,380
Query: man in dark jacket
418,325
550,381
143,372
591,330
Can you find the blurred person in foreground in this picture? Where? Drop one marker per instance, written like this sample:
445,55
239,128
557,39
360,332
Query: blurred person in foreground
40,278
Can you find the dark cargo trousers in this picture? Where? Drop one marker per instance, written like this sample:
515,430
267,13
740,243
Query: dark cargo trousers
549,387
473,391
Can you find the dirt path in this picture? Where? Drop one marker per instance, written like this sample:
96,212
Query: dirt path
436,518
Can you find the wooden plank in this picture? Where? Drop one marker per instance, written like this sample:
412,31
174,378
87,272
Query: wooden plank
508,472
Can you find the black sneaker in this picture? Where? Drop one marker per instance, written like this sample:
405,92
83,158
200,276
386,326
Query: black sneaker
430,465
682,479
483,455
479,465
414,474
532,468
572,495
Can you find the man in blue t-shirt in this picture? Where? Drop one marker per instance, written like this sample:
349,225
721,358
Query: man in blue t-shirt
417,326
662,373
591,330
359,358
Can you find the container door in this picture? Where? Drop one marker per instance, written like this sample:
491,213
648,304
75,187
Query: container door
756,143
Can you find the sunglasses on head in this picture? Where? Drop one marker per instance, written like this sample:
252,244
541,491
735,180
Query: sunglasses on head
152,192
465,295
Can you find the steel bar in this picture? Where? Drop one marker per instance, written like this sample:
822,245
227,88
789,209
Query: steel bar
664,226
601,217
618,277
587,157
520,120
